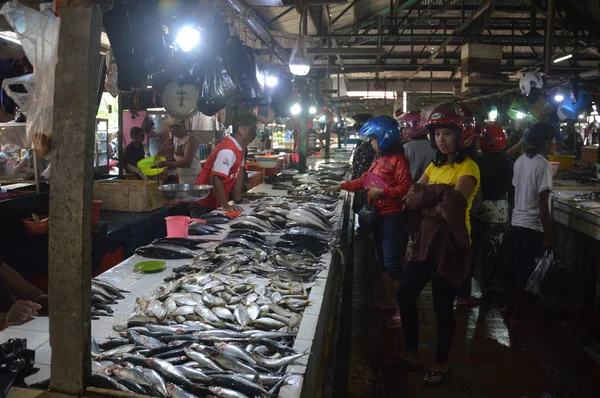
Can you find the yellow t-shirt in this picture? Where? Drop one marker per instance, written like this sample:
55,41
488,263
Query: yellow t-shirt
450,173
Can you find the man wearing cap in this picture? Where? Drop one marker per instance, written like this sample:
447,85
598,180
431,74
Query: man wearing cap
222,168
186,151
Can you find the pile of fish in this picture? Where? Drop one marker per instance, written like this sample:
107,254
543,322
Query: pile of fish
224,324
305,184
230,335
103,296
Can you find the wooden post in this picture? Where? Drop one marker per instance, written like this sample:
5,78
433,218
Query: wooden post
71,195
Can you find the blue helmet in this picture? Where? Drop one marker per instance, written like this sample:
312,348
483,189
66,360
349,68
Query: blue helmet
385,128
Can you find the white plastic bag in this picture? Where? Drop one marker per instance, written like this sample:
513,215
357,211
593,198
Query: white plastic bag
537,278
38,32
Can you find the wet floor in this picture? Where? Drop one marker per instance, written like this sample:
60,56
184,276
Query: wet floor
487,360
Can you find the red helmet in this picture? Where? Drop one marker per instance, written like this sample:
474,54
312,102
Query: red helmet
455,116
493,139
411,124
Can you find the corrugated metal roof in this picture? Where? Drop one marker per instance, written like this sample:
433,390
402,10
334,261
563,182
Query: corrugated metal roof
397,75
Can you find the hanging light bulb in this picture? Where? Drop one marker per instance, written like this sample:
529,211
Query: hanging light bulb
299,64
312,110
296,109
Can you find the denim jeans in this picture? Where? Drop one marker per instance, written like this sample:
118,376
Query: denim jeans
389,238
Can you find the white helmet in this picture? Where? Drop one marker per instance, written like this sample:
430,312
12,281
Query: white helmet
530,80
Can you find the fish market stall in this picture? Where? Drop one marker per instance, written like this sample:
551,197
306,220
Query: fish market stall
244,305
576,224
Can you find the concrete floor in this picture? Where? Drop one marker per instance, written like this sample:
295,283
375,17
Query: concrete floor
487,360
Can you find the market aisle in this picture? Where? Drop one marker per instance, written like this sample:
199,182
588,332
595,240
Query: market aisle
486,360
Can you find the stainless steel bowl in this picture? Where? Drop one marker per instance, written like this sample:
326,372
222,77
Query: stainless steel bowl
185,192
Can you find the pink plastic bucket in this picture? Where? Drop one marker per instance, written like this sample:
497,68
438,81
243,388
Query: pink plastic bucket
177,226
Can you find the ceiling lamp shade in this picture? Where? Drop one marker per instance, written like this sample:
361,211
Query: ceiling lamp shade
299,63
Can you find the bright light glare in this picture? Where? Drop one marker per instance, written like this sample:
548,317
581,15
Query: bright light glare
312,110
272,81
188,38
300,69
373,94
296,109
493,115
559,98
10,36
581,116
520,115
335,119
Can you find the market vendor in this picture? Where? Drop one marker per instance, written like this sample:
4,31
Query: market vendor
224,167
186,150
29,301
134,152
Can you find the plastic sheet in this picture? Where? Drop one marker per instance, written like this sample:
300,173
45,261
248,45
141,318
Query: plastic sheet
38,32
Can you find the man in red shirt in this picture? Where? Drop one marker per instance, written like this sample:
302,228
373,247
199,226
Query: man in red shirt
223,166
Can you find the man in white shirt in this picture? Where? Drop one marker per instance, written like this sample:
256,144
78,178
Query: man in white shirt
531,214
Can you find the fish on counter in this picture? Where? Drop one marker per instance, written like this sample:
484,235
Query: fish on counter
165,252
103,296
204,229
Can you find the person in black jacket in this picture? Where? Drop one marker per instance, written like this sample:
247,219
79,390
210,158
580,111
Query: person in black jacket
497,194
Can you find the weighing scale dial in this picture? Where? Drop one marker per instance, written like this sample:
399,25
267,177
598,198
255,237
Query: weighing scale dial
180,101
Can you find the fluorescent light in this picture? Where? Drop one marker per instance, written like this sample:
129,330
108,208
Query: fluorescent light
373,94
312,110
563,58
520,115
296,109
272,81
559,98
404,101
10,36
493,115
188,38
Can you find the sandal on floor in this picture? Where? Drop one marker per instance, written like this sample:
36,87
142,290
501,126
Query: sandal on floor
394,322
429,375
402,364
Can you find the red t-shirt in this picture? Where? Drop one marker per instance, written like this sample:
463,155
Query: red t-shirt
224,161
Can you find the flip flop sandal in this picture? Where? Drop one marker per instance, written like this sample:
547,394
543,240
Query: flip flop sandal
402,364
394,322
429,375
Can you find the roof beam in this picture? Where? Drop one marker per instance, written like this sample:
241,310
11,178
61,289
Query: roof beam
346,51
280,16
341,14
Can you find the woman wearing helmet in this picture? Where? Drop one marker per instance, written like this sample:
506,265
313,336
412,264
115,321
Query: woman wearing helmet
364,155
456,175
418,151
387,181
496,170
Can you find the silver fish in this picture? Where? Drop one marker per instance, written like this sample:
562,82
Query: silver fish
194,375
224,313
183,311
253,311
185,301
251,298
178,392
206,313
280,310
276,363
235,300
202,359
117,352
226,392
270,322
241,315
158,384
260,290
230,363
97,367
133,375
156,308
235,351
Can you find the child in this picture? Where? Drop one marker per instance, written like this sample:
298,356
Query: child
134,152
531,215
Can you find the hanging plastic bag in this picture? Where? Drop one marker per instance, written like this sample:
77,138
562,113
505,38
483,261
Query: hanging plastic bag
245,71
38,33
537,278
218,89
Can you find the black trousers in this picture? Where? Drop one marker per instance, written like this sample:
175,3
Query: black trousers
416,276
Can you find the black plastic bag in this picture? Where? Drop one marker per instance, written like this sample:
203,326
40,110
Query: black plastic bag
219,87
244,70
368,217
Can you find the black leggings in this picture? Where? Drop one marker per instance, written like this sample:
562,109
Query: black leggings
416,276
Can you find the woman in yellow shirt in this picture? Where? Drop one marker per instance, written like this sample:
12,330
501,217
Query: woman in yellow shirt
452,129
